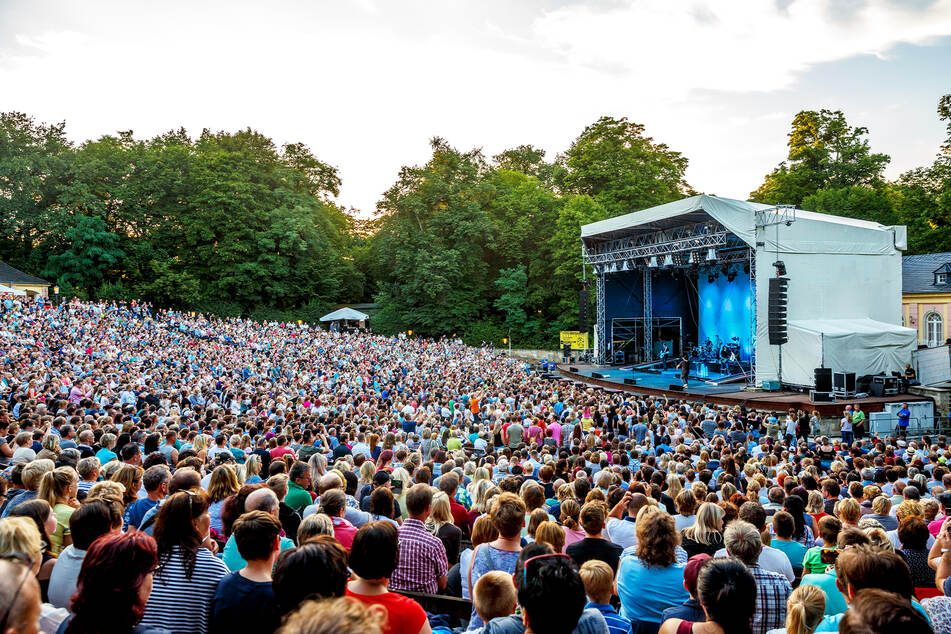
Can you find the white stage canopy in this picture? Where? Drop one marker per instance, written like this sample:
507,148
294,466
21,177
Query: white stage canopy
838,269
348,314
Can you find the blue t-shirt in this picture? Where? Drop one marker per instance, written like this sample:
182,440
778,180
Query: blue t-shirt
105,455
903,416
646,592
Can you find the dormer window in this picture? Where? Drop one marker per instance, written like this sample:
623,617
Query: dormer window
940,279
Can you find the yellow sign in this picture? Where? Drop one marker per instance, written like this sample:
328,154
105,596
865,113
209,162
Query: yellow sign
578,340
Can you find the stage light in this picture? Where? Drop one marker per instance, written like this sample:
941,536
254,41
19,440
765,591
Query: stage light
780,268
711,278
731,276
668,260
652,262
746,268
612,267
711,254
625,266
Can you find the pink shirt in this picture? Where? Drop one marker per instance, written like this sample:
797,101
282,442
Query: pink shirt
344,531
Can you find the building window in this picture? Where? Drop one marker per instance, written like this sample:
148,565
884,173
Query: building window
941,278
934,329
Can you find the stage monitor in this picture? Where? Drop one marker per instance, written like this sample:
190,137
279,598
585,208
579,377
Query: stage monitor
725,308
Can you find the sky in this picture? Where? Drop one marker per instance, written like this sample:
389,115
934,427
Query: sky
367,83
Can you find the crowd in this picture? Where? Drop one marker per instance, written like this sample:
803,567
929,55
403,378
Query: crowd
172,472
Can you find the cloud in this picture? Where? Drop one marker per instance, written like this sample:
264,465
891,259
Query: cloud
733,45
365,84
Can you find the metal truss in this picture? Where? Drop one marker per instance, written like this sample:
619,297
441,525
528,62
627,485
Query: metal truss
648,313
686,238
751,380
780,214
599,326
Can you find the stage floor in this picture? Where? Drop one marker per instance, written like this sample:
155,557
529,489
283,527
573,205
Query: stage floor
734,394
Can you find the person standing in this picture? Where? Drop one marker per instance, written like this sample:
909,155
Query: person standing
858,422
684,367
845,425
904,417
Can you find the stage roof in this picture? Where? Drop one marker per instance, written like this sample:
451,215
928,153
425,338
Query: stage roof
836,235
345,313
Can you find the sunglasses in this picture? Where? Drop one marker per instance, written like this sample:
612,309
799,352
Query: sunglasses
535,558
27,563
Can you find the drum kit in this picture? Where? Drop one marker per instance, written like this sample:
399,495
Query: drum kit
717,351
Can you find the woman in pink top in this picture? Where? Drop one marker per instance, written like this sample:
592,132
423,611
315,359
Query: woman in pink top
570,521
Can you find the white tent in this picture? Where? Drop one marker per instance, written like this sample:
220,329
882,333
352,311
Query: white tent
839,269
348,314
6,290
862,346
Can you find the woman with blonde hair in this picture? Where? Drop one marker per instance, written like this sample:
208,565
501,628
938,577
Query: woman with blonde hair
314,525
50,448
129,476
223,484
483,532
674,486
805,608
849,512
59,488
440,525
552,534
252,469
706,534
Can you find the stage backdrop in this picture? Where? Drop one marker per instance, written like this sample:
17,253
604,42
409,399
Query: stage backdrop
726,309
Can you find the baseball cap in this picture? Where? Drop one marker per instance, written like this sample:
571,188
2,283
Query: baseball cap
692,571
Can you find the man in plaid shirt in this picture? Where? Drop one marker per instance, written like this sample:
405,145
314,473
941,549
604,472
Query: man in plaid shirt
423,565
744,542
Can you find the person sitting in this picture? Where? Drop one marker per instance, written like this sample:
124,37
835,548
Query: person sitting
804,610
594,545
294,580
245,599
189,572
690,610
423,565
768,558
20,597
744,542
262,499
551,597
883,612
706,533
334,616
865,567
494,596
727,592
620,526
91,521
333,503
373,558
600,586
913,534
784,526
115,580
829,529
651,581
826,581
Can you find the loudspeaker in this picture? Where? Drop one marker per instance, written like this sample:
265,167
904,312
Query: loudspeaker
675,387
823,379
598,375
776,310
583,310
630,381
821,397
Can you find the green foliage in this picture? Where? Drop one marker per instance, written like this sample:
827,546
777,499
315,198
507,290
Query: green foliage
825,152
623,170
93,250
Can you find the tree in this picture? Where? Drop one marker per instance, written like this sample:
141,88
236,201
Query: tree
825,152
623,170
512,282
92,251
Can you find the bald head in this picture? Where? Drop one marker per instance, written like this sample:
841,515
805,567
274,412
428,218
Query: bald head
636,503
262,499
329,482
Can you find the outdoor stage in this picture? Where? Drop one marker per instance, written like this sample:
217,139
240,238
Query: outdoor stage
659,385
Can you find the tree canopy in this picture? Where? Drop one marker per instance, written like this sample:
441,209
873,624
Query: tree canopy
229,222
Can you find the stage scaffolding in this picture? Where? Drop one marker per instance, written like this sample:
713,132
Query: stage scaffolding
684,247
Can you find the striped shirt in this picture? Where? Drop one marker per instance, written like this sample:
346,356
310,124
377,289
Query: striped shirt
184,605
422,560
616,623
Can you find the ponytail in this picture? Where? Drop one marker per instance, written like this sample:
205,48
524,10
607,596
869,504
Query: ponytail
805,609
54,485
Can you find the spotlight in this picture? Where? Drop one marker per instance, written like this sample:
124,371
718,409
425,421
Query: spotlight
711,254
711,278
731,276
780,268
668,260
652,262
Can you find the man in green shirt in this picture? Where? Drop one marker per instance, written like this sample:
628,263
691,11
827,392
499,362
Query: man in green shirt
298,497
858,422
